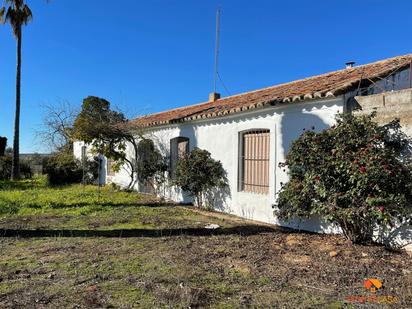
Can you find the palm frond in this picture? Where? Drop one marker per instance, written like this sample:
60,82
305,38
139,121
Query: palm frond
13,19
18,14
2,10
26,14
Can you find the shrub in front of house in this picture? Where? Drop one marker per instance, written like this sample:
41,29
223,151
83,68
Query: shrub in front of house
151,165
63,168
352,174
199,174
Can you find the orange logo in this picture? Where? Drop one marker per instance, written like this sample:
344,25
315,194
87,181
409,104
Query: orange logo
373,285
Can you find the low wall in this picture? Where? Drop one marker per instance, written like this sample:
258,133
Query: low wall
388,105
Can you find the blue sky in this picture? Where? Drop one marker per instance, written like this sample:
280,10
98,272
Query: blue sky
152,55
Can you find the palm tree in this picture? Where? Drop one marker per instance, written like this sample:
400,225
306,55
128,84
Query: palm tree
17,14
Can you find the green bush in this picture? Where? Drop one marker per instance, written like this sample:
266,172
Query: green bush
63,168
198,173
151,165
25,170
352,175
5,168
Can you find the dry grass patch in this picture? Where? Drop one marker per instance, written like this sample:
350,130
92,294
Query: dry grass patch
154,256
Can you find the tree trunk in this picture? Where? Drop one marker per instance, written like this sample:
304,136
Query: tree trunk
133,179
132,173
357,232
199,202
15,173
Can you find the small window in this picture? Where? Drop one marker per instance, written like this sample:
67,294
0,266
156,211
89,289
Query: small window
254,161
179,148
110,165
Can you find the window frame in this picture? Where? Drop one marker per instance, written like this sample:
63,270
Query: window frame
241,160
109,168
174,152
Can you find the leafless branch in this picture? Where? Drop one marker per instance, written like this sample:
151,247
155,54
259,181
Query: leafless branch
57,123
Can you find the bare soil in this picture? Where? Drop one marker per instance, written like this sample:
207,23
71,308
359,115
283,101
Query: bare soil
70,247
183,265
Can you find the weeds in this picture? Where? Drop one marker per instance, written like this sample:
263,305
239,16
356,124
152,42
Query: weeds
241,265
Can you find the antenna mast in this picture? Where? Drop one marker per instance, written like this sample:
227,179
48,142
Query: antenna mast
218,13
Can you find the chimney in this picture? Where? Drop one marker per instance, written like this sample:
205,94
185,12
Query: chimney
214,96
350,64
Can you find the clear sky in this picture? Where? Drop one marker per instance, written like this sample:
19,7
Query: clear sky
151,55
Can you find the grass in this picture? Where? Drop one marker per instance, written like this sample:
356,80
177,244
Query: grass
31,204
238,265
34,196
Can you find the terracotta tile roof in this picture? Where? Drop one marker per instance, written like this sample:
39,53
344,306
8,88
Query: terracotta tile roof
322,86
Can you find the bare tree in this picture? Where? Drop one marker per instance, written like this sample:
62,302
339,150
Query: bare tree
57,125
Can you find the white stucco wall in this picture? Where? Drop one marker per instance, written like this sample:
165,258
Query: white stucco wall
77,151
220,137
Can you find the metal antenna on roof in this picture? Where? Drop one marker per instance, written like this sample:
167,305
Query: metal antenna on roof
218,13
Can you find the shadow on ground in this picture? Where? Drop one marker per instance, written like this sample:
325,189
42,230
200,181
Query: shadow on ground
116,204
126,233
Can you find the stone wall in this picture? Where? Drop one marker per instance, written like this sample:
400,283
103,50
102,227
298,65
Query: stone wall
391,105
388,105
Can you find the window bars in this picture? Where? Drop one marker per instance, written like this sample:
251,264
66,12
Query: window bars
254,161
110,164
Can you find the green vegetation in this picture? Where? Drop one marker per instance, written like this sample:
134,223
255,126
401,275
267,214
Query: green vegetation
107,131
32,204
151,165
201,176
17,14
63,168
6,168
237,265
352,174
34,196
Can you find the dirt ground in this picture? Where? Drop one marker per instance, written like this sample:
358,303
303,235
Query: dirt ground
239,265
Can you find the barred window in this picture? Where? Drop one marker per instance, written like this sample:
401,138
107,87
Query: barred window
179,148
109,168
254,161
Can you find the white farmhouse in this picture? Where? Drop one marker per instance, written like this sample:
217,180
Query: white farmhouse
250,133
